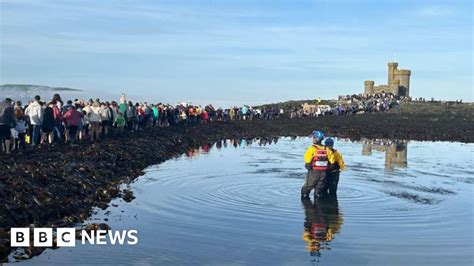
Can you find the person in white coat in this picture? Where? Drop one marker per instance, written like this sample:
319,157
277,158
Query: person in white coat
93,114
35,113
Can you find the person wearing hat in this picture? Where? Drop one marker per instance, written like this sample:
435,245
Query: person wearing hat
336,165
316,161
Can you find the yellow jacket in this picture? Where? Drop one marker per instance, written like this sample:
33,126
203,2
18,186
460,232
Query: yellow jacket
311,151
336,157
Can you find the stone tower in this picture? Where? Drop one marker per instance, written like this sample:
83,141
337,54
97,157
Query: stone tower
369,86
398,82
392,68
403,76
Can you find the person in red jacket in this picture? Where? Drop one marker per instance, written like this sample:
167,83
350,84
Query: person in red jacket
72,119
204,117
57,105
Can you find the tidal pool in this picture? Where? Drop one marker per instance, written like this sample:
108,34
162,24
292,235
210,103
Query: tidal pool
238,203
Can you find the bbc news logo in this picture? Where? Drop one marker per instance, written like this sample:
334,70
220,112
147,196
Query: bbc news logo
66,237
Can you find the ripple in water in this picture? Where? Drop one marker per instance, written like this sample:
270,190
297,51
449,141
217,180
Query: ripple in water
395,206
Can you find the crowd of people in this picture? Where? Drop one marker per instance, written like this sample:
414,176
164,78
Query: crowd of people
41,122
50,122
433,100
368,103
351,104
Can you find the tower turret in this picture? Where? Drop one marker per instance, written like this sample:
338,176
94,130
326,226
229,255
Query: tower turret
369,87
403,75
392,67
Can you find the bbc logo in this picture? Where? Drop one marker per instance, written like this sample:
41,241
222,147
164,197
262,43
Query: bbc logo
66,237
42,237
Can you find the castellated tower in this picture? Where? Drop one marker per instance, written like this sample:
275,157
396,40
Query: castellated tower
403,76
392,68
398,82
369,86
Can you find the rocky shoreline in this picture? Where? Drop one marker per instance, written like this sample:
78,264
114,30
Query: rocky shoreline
59,186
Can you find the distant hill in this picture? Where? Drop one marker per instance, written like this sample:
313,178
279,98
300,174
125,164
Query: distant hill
27,87
25,92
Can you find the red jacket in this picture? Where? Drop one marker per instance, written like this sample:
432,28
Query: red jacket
57,113
72,117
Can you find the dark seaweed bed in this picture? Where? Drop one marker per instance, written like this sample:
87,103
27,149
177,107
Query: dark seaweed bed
59,186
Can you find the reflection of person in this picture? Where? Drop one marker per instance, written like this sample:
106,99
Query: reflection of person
322,222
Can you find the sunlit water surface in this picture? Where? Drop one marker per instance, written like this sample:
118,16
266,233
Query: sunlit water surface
238,203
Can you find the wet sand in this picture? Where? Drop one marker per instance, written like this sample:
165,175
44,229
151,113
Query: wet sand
60,185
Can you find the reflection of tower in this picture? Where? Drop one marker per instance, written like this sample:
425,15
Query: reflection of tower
395,152
322,222
396,155
366,149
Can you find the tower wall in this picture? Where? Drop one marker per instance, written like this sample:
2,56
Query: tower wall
398,82
369,86
366,149
394,87
403,75
392,68
381,88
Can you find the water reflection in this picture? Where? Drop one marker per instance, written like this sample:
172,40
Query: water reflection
240,142
395,151
210,208
194,152
322,222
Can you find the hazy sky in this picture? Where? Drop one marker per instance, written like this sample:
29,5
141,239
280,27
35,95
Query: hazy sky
229,51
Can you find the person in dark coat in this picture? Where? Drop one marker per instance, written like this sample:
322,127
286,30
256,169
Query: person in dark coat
48,124
7,122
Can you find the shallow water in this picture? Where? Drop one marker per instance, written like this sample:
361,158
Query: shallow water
398,204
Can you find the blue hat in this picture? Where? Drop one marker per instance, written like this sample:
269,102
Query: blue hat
329,142
319,135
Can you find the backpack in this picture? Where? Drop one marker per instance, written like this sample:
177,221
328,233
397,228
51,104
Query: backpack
320,159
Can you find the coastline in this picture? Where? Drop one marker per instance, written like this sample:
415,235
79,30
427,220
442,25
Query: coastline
60,185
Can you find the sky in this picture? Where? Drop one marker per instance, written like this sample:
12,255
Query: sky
233,52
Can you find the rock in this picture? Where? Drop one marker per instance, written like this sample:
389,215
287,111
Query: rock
127,195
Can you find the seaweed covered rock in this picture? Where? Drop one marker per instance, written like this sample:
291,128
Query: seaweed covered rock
60,185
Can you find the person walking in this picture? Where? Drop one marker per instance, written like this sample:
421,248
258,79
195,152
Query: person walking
34,112
72,119
57,106
336,165
93,114
7,122
20,128
48,125
105,118
130,115
316,162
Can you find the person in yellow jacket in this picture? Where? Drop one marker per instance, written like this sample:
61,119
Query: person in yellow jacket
336,165
316,160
